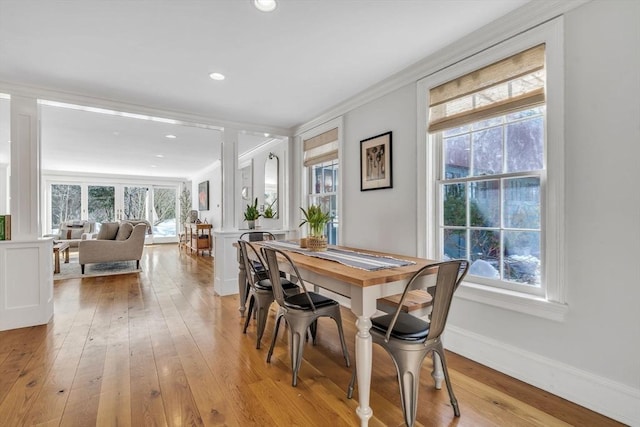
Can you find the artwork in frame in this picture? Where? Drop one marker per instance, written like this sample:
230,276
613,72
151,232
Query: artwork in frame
203,196
375,162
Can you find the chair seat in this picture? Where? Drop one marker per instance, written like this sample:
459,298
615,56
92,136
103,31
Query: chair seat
265,284
407,327
301,302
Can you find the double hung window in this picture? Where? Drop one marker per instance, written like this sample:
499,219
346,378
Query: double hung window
489,127
321,161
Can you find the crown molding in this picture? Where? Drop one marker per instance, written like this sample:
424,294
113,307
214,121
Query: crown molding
520,20
188,119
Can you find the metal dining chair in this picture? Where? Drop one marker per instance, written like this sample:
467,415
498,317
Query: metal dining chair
299,311
257,236
409,339
260,288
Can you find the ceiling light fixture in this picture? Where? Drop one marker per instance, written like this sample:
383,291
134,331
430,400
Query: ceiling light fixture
216,76
170,136
265,5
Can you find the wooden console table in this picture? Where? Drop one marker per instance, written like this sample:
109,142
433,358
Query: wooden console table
198,237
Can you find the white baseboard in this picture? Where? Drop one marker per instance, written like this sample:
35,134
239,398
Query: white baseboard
610,398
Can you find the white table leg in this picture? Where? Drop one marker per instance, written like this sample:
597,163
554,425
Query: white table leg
437,374
364,349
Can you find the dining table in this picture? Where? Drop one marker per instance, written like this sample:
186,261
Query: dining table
361,285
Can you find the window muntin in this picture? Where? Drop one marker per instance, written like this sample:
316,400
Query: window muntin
490,186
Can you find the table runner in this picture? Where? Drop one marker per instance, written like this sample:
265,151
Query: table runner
349,258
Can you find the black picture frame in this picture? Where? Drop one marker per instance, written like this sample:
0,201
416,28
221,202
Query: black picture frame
203,196
376,162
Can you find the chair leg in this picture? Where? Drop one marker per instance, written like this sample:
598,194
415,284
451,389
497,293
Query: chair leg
246,320
408,366
352,384
296,343
313,328
452,397
275,336
262,313
338,318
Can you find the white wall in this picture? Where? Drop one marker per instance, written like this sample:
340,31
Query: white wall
214,176
593,356
381,219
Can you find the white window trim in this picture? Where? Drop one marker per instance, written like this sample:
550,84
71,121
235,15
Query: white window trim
338,123
553,305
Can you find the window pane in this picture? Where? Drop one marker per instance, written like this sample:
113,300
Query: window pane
522,203
455,205
455,244
456,156
485,253
487,152
101,203
487,123
164,212
135,203
522,257
65,204
525,145
455,131
484,199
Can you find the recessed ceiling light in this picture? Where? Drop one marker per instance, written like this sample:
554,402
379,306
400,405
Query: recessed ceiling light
266,135
216,76
170,136
160,155
265,5
154,166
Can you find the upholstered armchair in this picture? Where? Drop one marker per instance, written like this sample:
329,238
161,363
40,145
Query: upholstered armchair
73,231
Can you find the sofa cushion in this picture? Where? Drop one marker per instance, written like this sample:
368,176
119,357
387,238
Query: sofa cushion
124,231
72,233
108,231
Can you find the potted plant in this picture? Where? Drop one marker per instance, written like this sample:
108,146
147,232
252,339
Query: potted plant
269,212
317,220
251,214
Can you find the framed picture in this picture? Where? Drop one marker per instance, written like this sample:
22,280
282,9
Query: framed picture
203,196
375,162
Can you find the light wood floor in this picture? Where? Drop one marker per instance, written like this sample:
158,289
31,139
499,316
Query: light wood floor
160,348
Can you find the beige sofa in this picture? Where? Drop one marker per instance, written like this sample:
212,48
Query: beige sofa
114,242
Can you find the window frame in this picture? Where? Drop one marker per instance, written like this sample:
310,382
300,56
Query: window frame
502,176
305,187
551,304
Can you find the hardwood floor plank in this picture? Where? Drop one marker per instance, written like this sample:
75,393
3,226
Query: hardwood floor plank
160,348
115,394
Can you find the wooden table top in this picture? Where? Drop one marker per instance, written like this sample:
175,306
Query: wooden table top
357,276
60,246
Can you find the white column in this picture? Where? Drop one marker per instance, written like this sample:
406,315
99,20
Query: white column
25,169
229,172
26,272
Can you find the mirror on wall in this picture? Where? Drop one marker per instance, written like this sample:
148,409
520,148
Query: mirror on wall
271,187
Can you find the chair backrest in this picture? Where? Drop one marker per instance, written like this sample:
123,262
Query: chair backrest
449,276
257,236
250,259
271,256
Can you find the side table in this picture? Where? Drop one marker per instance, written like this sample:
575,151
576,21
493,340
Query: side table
57,248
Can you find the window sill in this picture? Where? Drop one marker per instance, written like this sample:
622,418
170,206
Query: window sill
515,301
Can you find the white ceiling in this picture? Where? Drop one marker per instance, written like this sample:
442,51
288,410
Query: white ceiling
283,68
